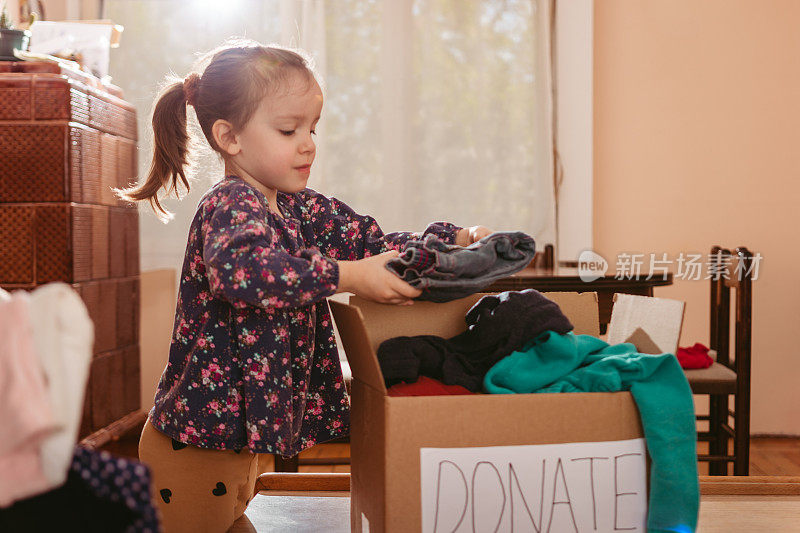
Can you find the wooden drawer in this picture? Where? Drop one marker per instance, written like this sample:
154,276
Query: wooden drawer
66,162
113,389
66,242
34,96
65,142
107,388
113,306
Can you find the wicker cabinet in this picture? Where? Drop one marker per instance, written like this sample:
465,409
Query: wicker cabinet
65,141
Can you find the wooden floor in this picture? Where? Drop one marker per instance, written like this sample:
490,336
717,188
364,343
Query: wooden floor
775,457
769,456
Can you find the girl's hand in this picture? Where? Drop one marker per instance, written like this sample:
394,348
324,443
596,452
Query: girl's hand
370,279
467,236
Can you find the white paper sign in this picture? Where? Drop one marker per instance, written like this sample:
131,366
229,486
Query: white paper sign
575,487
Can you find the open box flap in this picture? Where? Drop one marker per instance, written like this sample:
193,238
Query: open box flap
384,321
364,325
360,355
581,308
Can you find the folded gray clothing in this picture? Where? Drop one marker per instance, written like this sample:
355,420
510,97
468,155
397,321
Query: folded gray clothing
447,272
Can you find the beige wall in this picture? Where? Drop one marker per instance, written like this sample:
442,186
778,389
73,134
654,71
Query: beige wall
72,9
696,133
159,293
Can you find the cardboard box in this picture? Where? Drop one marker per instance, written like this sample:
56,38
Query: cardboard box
393,437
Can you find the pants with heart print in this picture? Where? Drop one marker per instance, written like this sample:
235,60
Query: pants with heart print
197,490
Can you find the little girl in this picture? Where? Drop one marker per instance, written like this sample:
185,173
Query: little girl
253,366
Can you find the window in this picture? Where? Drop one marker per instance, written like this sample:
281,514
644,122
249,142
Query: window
435,109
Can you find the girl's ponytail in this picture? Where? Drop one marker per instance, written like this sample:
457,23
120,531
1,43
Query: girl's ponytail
171,146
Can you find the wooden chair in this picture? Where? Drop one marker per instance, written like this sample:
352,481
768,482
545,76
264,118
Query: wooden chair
292,464
120,437
730,373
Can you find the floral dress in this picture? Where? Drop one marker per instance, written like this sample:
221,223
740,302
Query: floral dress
253,360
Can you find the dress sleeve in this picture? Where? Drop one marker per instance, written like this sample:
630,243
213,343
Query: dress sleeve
344,234
245,267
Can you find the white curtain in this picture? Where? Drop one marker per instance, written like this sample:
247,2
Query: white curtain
442,110
434,109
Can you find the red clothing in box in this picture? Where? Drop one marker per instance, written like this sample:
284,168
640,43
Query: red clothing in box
426,386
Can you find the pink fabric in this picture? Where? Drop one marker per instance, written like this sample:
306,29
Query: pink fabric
694,357
25,414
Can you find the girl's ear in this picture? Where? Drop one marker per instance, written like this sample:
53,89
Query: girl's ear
226,139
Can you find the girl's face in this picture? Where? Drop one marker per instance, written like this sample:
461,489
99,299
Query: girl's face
276,144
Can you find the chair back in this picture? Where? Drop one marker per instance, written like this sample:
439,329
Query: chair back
731,271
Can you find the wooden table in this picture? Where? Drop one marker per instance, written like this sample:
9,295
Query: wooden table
728,504
563,279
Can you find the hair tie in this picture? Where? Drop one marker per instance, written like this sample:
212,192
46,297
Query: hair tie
190,86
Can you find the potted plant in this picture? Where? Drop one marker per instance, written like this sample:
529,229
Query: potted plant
11,39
